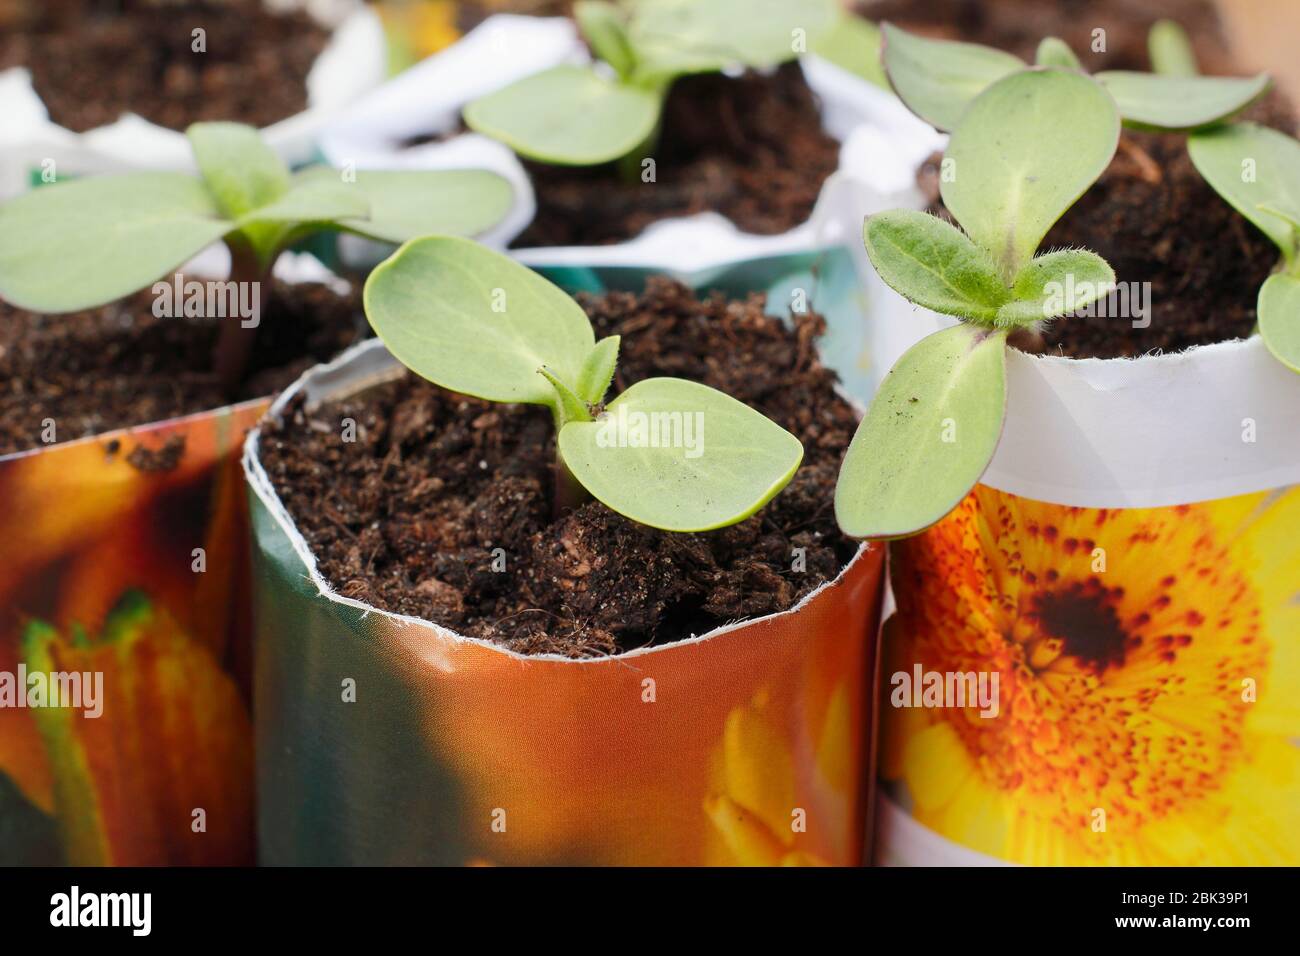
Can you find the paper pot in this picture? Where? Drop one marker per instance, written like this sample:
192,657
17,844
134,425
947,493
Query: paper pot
745,745
354,61
135,571
1130,570
430,96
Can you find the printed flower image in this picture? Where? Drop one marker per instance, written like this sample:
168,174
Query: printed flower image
1149,673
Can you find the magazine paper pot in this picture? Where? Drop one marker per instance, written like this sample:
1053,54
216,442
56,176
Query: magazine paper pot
748,744
125,558
354,61
429,98
1129,569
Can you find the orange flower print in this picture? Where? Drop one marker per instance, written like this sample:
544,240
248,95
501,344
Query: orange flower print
1149,667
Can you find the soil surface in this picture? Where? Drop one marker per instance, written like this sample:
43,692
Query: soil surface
93,60
751,148
1155,220
1017,26
120,365
407,516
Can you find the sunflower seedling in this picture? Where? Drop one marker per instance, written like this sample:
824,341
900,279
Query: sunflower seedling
587,115
938,79
1257,171
666,452
1023,152
85,243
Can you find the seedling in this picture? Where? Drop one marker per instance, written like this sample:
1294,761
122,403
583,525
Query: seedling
667,453
586,115
1257,171
938,79
87,242
1023,152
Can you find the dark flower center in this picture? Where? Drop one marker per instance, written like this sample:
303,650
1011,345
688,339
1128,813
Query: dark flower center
1083,617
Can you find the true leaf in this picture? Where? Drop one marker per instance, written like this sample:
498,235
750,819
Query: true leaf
1056,284
717,463
79,244
1279,318
1025,150
474,321
934,264
605,29
1251,167
1053,51
405,204
240,170
1179,102
567,115
1171,50
673,37
928,436
598,370
937,79
854,44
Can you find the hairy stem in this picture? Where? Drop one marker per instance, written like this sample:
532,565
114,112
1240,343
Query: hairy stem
569,494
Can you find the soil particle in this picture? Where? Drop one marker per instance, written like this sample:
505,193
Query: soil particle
441,507
163,458
93,60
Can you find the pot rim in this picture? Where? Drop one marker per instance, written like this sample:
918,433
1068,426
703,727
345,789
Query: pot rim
379,366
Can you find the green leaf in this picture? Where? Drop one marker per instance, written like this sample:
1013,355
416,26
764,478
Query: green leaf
672,37
1056,284
928,437
312,200
474,321
1024,151
854,44
240,170
1171,50
86,242
937,79
1179,102
605,29
1279,318
717,462
567,115
1251,167
598,370
568,406
406,204
932,263
1053,51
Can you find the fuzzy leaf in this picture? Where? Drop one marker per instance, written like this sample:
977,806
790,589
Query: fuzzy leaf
567,115
474,321
598,370
932,263
406,204
1179,102
1279,318
673,37
240,170
605,29
1056,284
1053,51
1024,151
929,434
83,243
717,463
938,79
1171,50
1251,167
854,44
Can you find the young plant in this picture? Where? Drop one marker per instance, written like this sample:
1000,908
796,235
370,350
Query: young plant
1023,152
586,115
667,453
937,80
85,243
1257,171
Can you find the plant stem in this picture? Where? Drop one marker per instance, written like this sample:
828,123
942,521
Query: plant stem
234,342
569,494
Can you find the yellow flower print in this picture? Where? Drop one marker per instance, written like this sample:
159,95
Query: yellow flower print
1149,664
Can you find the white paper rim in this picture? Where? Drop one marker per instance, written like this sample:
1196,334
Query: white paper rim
365,365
